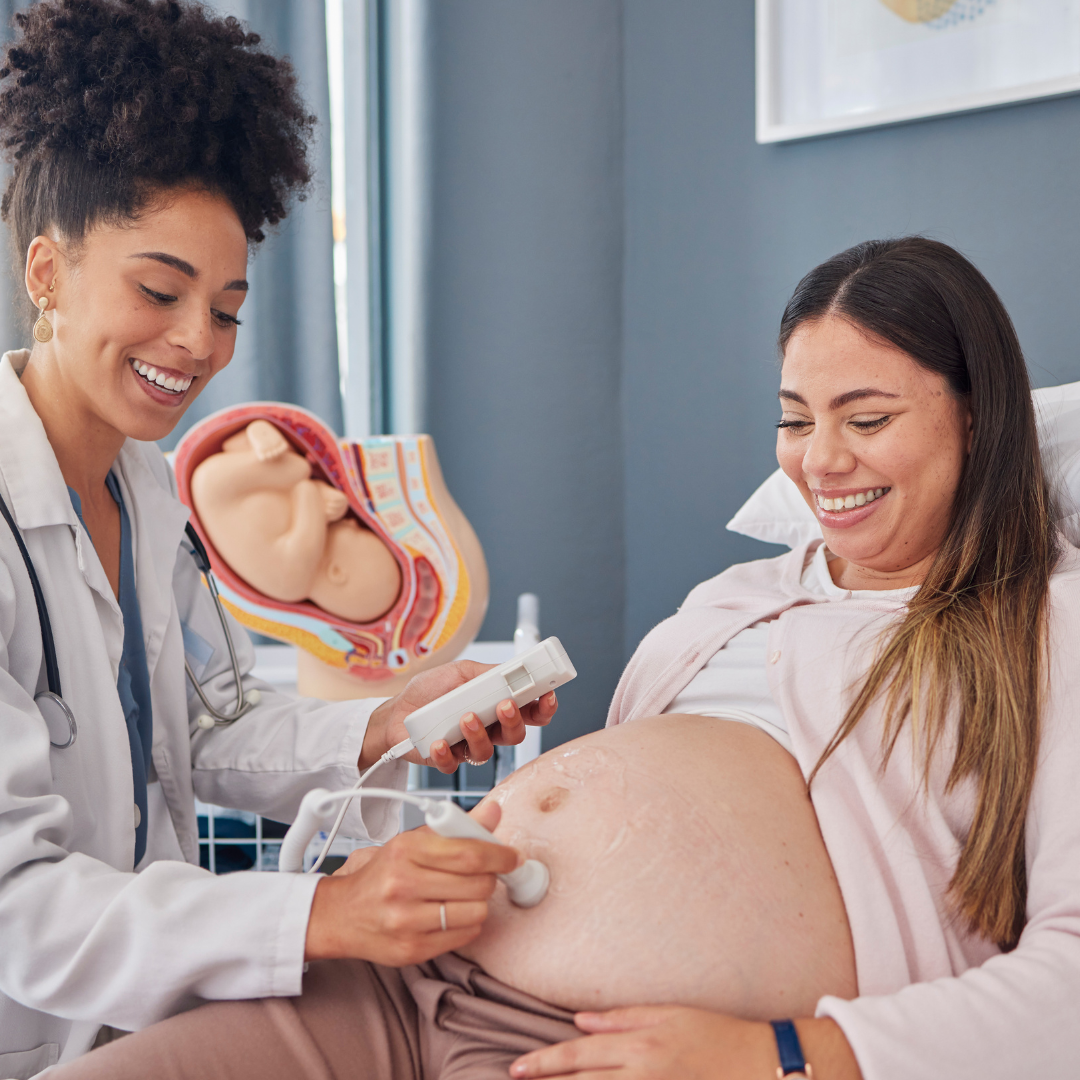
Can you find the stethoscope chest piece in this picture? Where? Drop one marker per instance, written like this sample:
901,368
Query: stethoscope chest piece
59,719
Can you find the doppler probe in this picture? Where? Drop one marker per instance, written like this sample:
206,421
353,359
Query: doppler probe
524,679
527,885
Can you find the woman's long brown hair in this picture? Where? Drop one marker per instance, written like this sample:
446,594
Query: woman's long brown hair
971,646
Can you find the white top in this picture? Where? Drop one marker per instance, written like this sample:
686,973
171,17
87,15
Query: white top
734,684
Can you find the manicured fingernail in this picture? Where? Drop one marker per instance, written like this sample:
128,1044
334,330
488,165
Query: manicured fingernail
552,699
472,723
441,747
517,1070
507,708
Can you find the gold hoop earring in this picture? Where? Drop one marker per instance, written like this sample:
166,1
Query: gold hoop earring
43,328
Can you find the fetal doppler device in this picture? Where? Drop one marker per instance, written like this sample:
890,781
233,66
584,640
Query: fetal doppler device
524,679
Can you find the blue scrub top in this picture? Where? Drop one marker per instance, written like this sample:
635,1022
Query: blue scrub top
133,682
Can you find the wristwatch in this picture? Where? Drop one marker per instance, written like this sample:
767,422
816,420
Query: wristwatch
792,1062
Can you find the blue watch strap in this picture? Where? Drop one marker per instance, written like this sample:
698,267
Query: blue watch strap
787,1043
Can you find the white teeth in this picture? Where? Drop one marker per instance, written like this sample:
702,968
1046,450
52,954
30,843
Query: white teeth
849,502
172,383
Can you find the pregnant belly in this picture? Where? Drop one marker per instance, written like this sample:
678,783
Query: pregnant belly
686,867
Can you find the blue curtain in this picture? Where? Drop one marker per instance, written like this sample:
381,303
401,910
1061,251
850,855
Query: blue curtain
15,308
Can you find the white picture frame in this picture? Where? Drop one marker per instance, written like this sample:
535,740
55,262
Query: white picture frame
826,66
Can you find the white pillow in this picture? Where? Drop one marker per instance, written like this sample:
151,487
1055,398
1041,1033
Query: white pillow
777,514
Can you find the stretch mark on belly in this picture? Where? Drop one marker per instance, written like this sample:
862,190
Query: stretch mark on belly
552,799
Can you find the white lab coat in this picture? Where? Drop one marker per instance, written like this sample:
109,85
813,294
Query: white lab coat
84,940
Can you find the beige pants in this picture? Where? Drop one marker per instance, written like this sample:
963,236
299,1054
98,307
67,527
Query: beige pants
443,1020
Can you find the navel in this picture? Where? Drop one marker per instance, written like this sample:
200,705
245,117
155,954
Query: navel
552,799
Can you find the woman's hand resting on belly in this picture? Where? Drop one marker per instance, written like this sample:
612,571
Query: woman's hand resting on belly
670,1042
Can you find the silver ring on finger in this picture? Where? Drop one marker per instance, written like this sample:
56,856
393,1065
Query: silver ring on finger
442,917
469,761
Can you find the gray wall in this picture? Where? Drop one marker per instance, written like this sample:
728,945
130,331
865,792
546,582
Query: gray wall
16,312
523,354
719,230
612,254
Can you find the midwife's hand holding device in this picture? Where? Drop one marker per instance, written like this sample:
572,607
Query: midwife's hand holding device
426,891
464,733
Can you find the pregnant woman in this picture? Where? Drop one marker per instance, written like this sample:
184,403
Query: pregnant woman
917,669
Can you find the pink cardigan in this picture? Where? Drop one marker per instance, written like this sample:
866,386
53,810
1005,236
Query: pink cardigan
934,1000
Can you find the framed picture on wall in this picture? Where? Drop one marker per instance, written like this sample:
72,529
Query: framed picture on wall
834,65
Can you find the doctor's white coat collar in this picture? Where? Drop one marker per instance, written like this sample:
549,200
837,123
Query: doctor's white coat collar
37,494
39,497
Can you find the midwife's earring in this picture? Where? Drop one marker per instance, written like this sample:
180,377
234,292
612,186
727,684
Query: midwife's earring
43,328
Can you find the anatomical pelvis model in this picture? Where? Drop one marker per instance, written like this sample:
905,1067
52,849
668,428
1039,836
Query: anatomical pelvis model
354,551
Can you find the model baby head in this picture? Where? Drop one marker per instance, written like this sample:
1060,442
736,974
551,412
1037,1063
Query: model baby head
288,535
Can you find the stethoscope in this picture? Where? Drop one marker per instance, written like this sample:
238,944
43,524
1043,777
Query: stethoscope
51,703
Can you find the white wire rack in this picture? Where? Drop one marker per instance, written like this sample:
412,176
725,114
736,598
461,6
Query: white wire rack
225,847
238,840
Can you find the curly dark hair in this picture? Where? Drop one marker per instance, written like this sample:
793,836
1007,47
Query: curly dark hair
105,103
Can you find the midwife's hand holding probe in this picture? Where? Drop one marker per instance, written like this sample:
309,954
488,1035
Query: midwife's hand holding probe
416,897
387,725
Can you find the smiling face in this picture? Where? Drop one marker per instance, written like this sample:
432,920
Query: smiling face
876,444
143,313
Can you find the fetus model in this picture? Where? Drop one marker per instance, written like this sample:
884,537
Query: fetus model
353,551
287,535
